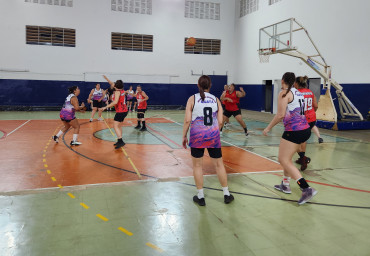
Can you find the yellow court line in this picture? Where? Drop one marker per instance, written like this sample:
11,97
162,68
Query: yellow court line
46,166
71,195
154,247
48,171
53,179
125,231
43,155
84,206
45,150
101,217
44,160
124,151
60,186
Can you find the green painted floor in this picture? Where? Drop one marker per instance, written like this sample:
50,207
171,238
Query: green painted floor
158,217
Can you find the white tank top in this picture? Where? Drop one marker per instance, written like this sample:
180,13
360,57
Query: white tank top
204,130
200,107
97,94
294,119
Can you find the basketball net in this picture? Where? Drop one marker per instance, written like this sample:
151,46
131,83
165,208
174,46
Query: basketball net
264,58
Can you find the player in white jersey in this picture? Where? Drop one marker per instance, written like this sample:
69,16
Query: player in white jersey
297,131
67,115
203,115
96,96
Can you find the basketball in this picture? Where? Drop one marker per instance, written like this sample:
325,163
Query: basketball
191,41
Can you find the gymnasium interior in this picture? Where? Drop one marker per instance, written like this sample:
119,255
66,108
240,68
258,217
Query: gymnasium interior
58,199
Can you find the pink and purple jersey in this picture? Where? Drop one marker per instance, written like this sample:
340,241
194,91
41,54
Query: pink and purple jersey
68,111
130,95
294,119
204,130
97,94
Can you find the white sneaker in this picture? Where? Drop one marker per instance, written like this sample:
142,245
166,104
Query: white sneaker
75,143
91,119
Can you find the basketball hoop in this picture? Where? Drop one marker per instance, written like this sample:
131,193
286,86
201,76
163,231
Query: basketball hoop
264,55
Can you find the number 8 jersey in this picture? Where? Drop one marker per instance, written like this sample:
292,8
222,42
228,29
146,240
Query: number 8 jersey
294,119
204,130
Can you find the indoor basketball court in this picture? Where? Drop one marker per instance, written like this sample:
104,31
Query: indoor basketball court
92,199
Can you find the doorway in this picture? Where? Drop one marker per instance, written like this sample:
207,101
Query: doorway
268,96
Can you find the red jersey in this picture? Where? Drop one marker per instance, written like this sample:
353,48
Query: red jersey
141,102
309,111
121,105
223,102
232,106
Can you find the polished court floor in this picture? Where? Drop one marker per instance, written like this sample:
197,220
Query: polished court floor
94,200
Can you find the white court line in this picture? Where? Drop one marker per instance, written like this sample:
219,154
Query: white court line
17,128
233,145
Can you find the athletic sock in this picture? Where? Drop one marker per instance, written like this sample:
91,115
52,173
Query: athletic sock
59,133
138,122
286,180
302,183
200,193
226,191
301,154
143,123
245,130
75,137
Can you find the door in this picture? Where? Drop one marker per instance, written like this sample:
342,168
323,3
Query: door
268,96
277,89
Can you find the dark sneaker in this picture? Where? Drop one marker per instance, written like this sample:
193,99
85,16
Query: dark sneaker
143,129
115,144
55,138
305,160
228,199
299,160
321,140
201,201
246,133
283,188
119,144
307,195
75,143
137,126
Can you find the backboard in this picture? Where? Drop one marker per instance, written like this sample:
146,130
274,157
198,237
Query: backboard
276,37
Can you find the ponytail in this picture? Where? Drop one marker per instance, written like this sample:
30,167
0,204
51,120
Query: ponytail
204,83
302,81
202,94
289,79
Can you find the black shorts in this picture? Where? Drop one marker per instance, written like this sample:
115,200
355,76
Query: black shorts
297,137
312,124
141,110
68,120
130,100
97,104
232,113
119,117
213,152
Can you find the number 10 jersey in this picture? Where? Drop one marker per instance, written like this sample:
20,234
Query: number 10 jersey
204,130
